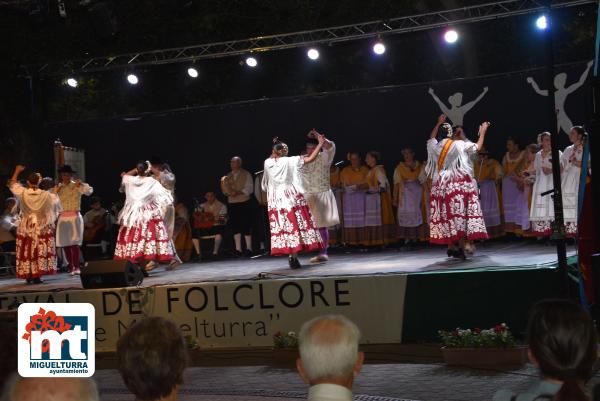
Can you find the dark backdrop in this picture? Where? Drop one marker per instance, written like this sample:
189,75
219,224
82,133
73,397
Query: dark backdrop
198,143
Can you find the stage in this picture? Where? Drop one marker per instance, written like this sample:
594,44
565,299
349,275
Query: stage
395,296
489,257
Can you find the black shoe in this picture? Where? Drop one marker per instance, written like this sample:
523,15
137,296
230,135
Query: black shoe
145,273
451,253
36,280
29,280
460,254
248,253
294,263
237,254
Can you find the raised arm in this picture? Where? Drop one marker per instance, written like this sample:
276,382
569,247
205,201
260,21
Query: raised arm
133,171
18,170
536,88
311,158
438,101
482,131
470,105
582,79
441,120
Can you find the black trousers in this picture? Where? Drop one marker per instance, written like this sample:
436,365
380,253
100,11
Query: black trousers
240,218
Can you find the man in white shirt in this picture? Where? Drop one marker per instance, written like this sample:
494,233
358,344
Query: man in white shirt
329,357
238,186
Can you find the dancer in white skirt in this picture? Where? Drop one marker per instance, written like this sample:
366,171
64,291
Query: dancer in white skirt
542,207
69,229
316,184
571,162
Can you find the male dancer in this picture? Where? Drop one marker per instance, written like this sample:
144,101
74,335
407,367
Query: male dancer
69,229
316,184
238,186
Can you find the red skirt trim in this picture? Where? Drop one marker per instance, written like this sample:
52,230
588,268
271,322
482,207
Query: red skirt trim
456,211
148,241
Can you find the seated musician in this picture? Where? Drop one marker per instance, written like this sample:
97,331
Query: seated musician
95,224
210,219
9,220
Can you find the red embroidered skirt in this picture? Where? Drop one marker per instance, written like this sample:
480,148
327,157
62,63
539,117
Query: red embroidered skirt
456,211
149,241
36,254
293,230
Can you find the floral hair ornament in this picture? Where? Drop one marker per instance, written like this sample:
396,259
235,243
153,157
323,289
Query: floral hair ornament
149,169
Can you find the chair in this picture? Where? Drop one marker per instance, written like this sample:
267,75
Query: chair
8,262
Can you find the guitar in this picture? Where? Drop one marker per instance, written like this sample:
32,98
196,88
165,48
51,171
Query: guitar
97,224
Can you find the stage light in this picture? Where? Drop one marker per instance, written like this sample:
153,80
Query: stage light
451,36
192,72
72,82
132,79
541,22
312,54
251,62
379,48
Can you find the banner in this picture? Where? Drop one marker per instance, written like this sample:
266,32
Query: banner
243,313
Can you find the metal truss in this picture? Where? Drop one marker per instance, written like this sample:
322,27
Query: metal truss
412,23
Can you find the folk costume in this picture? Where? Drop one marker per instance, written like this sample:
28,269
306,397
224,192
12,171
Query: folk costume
409,196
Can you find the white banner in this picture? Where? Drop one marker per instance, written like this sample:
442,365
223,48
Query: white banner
243,313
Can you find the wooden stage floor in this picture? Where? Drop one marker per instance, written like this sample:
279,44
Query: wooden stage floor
492,255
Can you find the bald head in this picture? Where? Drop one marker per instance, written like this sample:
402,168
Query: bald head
329,350
50,389
235,163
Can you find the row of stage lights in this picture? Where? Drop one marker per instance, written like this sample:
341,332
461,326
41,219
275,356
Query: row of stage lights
451,36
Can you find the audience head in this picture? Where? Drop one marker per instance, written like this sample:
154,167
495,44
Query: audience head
513,144
235,163
152,357
372,158
329,351
562,345
408,154
47,183
50,389
543,140
576,134
354,159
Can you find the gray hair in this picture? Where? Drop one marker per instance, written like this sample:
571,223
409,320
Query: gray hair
329,347
50,389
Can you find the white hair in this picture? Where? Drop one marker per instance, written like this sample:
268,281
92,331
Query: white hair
329,347
51,389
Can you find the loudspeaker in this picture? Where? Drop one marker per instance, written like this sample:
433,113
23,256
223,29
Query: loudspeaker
111,274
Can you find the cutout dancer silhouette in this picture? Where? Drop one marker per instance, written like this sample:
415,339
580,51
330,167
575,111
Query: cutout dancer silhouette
456,112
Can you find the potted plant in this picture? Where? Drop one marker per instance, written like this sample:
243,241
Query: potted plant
285,348
494,346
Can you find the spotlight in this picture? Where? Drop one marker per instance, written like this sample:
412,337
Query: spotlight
379,48
451,36
72,82
541,22
251,62
312,54
192,72
132,79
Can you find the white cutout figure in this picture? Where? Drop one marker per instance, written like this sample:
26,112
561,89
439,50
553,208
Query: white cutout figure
560,95
456,112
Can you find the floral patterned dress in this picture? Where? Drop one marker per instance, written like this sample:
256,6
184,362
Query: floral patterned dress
143,234
292,225
36,250
455,207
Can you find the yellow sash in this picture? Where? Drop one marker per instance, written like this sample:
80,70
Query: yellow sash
444,153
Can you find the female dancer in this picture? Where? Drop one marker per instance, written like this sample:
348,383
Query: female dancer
143,236
571,162
379,215
516,210
292,225
456,215
36,251
488,173
542,207
408,197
